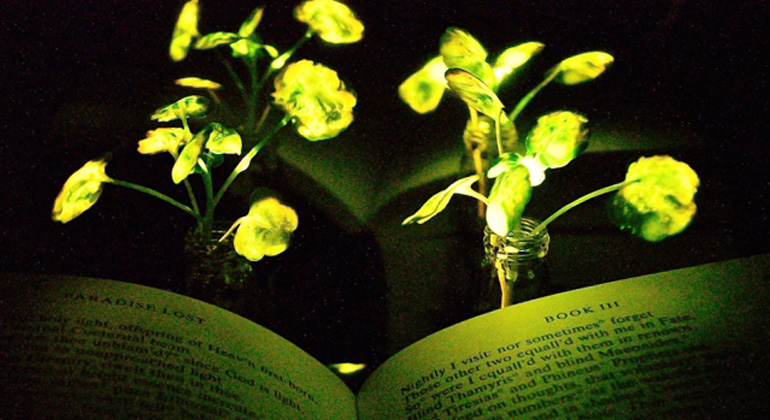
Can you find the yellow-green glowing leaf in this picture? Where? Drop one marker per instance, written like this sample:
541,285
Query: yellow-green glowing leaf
185,163
514,58
315,97
660,203
189,107
461,50
247,48
474,92
185,30
80,191
266,230
503,163
215,39
582,67
423,90
250,24
165,139
507,200
223,140
439,201
557,138
198,83
333,21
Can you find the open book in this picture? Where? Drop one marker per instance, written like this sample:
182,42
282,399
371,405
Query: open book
690,343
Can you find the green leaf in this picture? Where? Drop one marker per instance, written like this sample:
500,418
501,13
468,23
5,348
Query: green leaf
557,138
187,161
190,107
223,140
439,201
215,39
474,92
658,202
582,67
507,200
250,24
461,50
514,58
503,163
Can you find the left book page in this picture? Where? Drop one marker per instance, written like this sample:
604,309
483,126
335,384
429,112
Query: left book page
95,349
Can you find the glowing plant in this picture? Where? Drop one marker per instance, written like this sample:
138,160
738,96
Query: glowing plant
311,96
654,201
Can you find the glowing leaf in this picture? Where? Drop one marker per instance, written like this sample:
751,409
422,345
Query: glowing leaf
265,230
197,82
507,200
557,138
514,58
188,159
333,21
316,98
250,24
461,50
660,204
223,140
165,139
247,48
80,191
215,39
423,90
190,107
582,67
185,30
438,202
474,92
503,163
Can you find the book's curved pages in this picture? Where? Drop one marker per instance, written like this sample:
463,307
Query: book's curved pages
689,343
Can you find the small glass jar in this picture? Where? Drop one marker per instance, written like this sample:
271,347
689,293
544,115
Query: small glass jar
518,265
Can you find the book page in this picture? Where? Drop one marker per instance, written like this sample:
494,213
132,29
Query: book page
95,349
689,343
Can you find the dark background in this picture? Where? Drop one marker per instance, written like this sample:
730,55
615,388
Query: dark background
80,78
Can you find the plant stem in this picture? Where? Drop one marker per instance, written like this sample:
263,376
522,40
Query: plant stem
156,194
581,200
208,216
247,157
525,100
236,79
498,134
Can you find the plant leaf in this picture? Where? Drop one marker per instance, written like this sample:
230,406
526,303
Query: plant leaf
194,106
660,203
460,49
439,201
250,24
507,200
223,140
215,39
474,92
188,159
557,138
423,90
514,58
197,83
582,67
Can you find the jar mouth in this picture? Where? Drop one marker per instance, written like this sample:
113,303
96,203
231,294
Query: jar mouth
518,245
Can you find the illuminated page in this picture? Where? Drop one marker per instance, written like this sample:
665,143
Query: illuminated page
688,343
95,349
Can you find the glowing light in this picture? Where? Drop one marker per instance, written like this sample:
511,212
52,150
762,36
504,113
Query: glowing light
250,24
223,140
439,201
190,107
347,368
474,92
185,163
557,138
265,230
80,191
423,90
515,57
536,170
461,50
333,21
165,139
582,67
507,199
185,30
198,83
660,203
316,98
